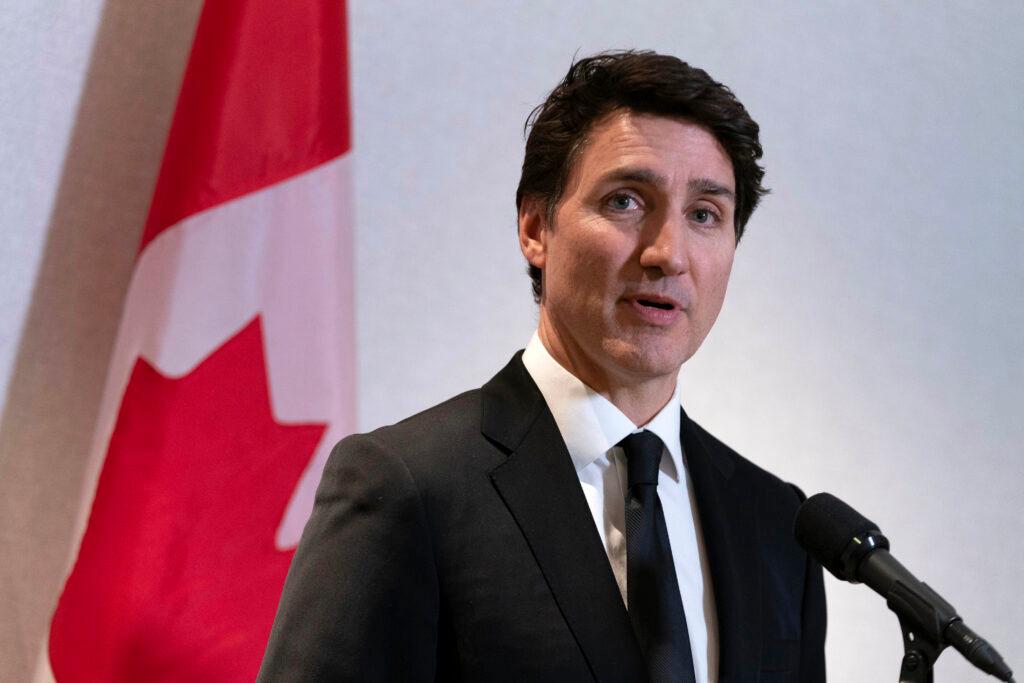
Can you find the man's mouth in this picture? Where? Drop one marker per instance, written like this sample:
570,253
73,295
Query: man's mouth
656,300
663,305
655,309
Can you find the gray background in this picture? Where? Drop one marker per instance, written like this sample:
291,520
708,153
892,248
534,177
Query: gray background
871,344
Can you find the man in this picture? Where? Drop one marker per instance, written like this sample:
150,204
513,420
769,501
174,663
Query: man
567,521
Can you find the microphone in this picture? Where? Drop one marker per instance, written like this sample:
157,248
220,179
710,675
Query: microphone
852,548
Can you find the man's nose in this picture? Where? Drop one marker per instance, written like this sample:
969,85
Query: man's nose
666,246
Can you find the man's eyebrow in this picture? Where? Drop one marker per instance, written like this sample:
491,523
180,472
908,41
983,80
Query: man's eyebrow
709,186
632,174
646,176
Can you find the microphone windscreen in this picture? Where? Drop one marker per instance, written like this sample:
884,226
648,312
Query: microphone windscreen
825,526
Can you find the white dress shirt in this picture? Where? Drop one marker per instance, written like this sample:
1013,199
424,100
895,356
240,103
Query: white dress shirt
591,427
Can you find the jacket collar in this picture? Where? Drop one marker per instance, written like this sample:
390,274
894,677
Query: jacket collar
727,506
538,484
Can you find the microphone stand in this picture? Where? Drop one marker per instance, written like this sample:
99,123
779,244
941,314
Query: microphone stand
923,617
919,655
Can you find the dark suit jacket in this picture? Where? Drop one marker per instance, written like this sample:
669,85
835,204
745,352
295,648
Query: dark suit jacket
457,545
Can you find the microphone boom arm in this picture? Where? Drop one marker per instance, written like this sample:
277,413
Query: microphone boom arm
922,625
853,549
923,614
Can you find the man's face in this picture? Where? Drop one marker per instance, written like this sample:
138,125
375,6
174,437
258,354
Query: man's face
637,257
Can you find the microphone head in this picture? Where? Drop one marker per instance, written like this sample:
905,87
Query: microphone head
836,535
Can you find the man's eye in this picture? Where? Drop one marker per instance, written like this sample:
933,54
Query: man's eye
622,202
704,216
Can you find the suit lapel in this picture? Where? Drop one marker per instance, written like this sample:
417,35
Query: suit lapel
728,519
539,485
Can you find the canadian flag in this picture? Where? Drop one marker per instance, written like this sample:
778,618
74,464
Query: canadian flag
233,371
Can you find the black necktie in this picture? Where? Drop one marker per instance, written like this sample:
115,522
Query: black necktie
655,608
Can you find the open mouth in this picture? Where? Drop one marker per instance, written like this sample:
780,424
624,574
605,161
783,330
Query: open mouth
655,304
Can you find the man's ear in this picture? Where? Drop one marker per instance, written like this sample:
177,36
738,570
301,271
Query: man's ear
533,230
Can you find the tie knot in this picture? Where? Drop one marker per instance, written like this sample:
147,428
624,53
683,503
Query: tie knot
643,457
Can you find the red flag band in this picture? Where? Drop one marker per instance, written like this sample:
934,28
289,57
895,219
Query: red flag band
233,371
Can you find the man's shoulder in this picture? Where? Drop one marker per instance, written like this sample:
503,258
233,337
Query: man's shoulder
447,442
451,425
746,472
441,428
480,422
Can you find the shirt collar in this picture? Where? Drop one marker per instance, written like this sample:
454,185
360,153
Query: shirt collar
590,424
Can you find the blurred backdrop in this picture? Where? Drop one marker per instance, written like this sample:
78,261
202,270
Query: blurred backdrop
872,343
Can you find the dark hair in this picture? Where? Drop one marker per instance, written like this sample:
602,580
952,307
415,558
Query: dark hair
647,83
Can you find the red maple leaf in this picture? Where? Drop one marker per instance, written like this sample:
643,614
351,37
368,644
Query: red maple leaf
177,577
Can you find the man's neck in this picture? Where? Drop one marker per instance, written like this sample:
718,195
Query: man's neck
639,399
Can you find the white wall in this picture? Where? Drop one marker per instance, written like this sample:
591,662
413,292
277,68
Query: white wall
872,341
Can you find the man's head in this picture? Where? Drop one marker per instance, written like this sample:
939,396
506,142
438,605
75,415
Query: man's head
645,83
640,174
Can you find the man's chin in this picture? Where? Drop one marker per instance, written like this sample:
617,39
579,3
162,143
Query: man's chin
646,362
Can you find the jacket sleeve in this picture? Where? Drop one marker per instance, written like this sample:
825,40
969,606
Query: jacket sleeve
361,598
